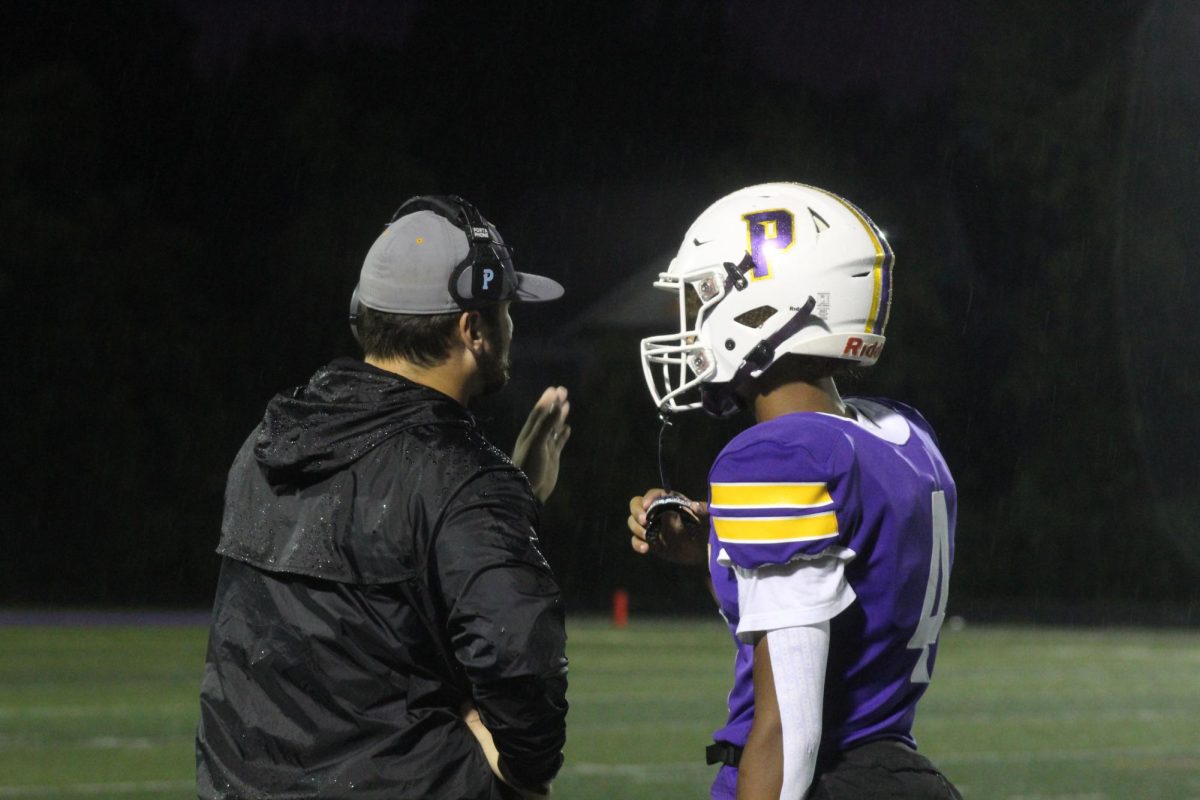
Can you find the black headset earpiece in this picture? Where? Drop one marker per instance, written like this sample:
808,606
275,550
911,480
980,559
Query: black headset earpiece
490,276
486,275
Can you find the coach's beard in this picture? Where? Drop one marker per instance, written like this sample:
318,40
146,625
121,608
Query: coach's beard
494,369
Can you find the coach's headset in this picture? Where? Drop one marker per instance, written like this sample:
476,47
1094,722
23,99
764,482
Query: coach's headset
485,276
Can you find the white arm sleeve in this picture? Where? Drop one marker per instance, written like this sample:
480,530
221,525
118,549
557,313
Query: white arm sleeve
798,657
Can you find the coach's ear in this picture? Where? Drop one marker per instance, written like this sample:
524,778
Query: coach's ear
470,331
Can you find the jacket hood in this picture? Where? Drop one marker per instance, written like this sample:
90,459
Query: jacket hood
347,408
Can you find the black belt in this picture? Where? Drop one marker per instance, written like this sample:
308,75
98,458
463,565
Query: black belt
722,753
731,754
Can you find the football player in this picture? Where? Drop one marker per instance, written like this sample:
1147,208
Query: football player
828,531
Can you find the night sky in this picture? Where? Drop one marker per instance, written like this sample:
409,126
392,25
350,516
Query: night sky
190,188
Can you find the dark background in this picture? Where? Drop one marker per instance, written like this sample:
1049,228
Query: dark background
189,188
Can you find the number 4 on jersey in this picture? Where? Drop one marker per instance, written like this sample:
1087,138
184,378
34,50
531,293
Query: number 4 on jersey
936,589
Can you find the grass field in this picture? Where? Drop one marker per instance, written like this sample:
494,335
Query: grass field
1029,713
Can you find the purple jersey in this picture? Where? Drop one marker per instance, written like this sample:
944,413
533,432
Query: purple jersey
877,494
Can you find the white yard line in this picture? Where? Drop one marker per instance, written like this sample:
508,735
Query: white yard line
95,788
1081,754
80,711
945,718
643,773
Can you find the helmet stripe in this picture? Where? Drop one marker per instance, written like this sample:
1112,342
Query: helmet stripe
882,290
881,297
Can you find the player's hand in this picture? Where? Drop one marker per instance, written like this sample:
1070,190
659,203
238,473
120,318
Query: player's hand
540,442
470,715
680,540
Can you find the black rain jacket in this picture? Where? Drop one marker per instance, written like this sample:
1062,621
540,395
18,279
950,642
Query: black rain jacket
380,570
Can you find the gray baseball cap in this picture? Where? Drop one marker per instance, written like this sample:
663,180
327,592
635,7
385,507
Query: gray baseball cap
423,263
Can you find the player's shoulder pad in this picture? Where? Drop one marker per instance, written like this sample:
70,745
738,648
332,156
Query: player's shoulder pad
775,490
914,418
802,446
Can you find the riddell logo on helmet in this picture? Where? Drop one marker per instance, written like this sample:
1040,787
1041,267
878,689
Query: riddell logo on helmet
856,348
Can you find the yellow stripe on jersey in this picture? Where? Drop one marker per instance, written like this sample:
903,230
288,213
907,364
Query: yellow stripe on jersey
772,530
770,495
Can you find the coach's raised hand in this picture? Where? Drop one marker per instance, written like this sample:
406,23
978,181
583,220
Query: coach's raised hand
540,442
680,540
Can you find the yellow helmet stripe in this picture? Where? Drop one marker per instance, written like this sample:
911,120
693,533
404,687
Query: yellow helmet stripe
881,297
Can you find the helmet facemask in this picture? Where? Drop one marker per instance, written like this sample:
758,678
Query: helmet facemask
680,368
677,364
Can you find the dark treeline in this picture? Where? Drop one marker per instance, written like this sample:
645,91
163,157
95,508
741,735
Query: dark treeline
180,237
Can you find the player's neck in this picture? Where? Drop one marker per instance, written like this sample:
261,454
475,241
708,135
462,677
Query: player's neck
789,398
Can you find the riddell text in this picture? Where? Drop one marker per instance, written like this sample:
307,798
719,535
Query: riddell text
855,347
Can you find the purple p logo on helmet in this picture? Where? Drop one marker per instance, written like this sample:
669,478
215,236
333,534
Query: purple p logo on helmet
769,231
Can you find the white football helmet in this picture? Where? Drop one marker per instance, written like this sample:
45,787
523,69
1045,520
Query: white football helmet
768,270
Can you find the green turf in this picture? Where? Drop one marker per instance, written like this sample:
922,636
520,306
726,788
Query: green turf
108,712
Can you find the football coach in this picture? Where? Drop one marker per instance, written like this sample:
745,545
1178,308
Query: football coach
385,625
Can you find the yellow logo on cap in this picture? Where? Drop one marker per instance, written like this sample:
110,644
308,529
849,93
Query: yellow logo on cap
420,240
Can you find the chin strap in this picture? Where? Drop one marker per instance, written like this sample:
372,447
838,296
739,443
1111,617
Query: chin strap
721,399
662,472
